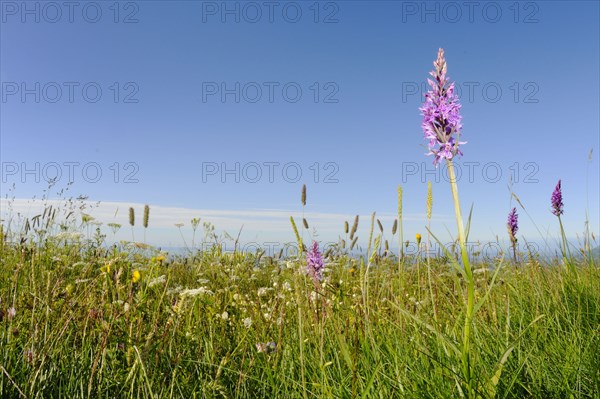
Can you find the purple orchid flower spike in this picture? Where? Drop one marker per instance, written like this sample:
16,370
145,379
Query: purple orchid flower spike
513,224
557,204
441,114
314,263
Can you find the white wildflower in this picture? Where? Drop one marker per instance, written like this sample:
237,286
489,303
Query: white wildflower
158,280
175,290
195,292
69,236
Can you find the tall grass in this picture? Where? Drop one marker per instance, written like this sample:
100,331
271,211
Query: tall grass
191,326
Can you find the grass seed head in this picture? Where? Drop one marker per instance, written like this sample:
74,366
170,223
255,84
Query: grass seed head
146,216
354,227
303,198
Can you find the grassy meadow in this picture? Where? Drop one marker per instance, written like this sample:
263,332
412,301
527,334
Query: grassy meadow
80,318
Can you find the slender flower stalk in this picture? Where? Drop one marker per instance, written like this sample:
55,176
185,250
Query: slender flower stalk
429,201
418,256
468,371
371,234
441,122
195,222
558,209
512,226
298,239
401,235
179,226
304,221
400,240
429,204
586,238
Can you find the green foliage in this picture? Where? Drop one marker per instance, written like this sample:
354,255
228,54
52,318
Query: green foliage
190,326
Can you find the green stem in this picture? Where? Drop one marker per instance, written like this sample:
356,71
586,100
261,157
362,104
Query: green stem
428,246
565,248
301,344
401,230
400,240
466,356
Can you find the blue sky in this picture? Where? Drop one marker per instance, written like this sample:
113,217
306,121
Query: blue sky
162,96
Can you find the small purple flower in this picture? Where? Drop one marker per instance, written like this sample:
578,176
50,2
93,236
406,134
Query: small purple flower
314,263
513,224
557,204
441,114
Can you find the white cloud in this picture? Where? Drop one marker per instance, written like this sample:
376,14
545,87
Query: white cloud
265,224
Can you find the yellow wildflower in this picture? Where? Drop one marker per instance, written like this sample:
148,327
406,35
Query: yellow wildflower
159,259
135,277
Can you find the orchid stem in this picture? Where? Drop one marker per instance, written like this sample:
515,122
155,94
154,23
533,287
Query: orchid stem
466,356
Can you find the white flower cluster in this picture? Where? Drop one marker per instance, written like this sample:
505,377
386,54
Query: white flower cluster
187,293
68,235
158,280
